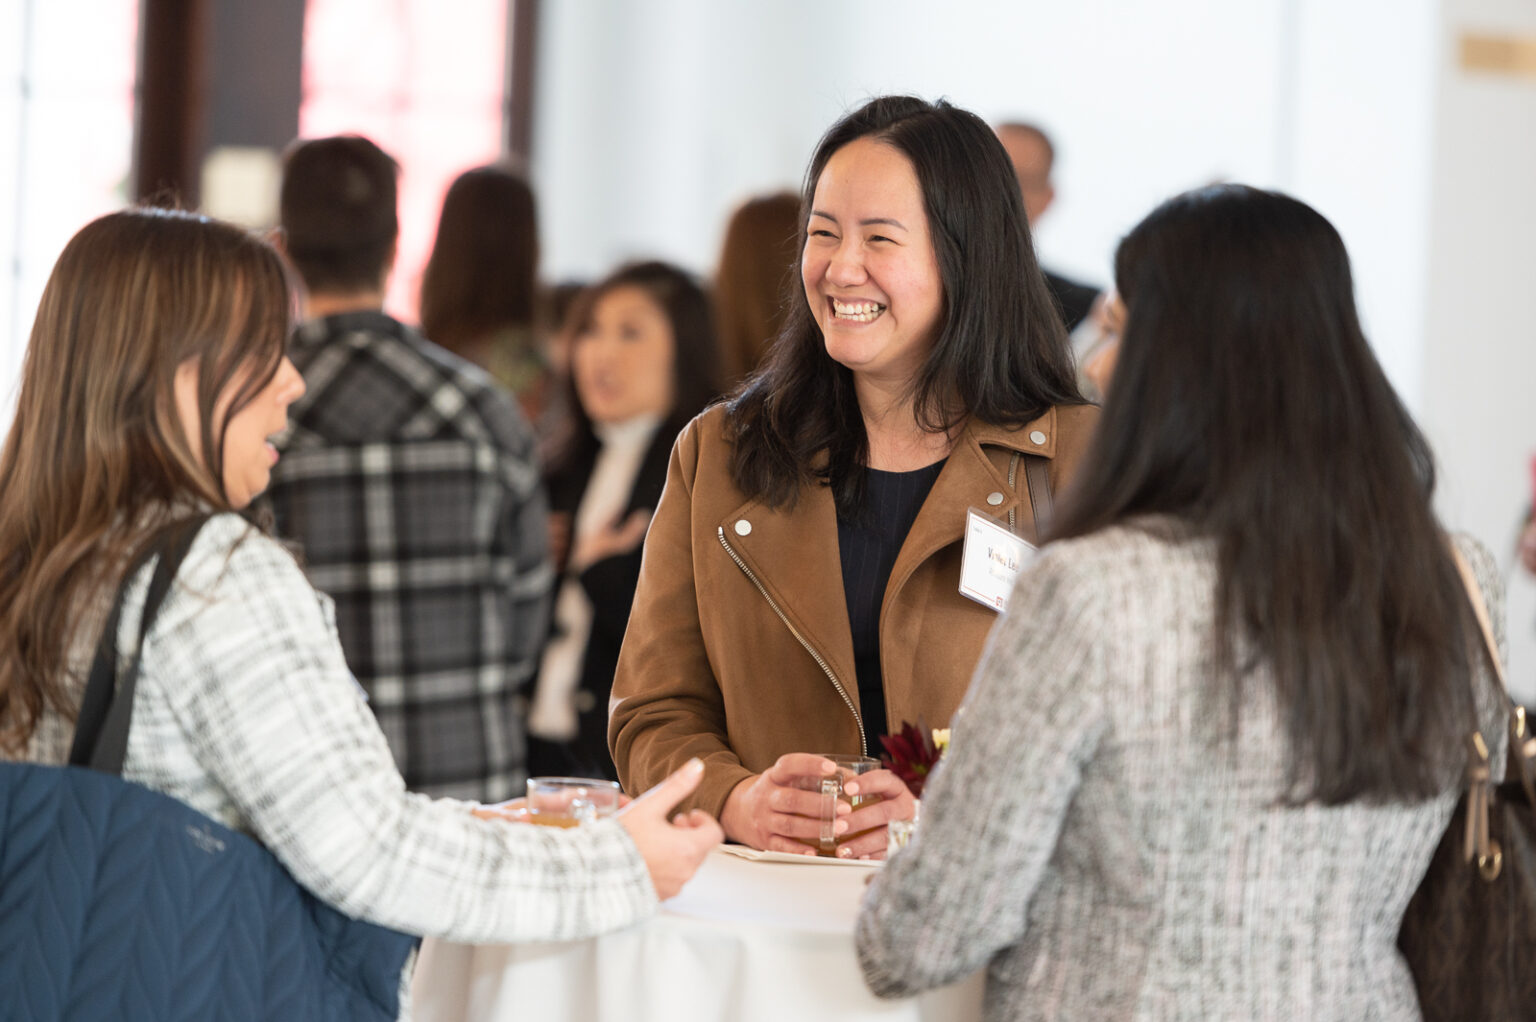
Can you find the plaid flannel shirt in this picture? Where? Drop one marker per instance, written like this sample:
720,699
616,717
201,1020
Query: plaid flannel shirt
409,480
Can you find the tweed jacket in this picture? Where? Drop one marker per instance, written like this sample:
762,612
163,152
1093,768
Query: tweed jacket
739,648
246,711
1103,841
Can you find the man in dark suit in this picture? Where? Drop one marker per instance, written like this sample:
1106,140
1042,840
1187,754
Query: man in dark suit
1033,155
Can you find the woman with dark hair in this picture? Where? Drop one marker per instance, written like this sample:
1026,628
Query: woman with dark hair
754,279
1222,727
153,381
801,586
642,364
479,290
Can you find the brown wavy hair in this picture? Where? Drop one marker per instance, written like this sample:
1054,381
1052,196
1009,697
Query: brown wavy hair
482,275
97,452
756,281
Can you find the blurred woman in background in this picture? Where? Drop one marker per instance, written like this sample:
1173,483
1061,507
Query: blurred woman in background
479,290
642,358
1221,730
755,280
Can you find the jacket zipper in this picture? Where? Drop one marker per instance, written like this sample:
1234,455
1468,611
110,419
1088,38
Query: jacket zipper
863,740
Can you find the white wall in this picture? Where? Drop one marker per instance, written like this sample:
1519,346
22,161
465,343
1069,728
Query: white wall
655,119
1480,305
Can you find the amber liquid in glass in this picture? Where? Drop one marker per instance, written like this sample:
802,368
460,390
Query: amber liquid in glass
544,820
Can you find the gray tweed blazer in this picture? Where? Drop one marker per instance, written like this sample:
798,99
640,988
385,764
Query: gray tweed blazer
1100,842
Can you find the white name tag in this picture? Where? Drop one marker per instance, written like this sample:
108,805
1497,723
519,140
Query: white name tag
992,559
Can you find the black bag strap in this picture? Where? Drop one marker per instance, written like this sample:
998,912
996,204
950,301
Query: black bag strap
106,710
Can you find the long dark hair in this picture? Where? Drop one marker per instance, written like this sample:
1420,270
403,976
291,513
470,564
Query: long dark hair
482,274
1247,403
97,455
696,357
1001,351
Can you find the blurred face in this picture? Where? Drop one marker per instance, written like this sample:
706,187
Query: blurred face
869,269
622,358
248,451
1032,166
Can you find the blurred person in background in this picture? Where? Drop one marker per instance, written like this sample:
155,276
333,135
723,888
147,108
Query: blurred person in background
479,290
1223,725
559,301
642,361
1097,366
800,591
409,479
154,378
755,280
555,307
1033,156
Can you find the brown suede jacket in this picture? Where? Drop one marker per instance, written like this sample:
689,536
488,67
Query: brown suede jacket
739,648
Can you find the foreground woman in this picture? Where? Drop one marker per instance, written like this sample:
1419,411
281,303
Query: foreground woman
1218,736
154,377
800,591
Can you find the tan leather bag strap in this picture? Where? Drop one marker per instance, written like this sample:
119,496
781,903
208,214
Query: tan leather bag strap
1475,597
1479,791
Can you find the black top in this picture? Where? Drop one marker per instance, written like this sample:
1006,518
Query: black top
868,547
610,585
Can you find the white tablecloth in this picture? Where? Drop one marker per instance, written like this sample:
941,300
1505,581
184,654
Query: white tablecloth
744,942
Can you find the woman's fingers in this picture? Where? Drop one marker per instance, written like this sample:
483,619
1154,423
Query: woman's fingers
792,766
672,849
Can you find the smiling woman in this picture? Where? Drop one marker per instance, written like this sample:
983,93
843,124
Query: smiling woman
871,280
800,588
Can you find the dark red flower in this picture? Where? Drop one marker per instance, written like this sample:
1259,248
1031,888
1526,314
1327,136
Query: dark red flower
911,755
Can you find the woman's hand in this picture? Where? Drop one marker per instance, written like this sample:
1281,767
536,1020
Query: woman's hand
672,849
768,812
867,823
610,541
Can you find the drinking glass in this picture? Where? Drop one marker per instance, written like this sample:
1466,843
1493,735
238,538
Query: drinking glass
570,801
831,788
899,833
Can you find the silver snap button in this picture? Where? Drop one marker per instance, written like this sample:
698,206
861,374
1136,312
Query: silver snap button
994,499
743,527
1037,437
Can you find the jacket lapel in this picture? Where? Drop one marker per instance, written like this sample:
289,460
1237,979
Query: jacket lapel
793,554
970,476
